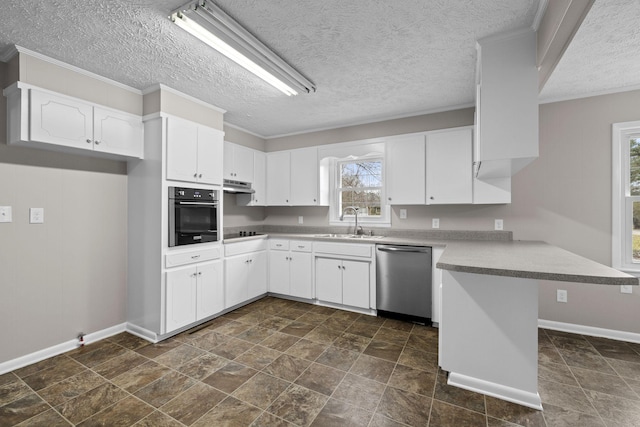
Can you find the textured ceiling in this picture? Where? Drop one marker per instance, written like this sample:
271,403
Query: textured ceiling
370,59
603,56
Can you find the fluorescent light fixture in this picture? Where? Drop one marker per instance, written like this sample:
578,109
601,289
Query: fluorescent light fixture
210,24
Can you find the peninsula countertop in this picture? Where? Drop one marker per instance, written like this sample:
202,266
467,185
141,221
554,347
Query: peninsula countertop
529,260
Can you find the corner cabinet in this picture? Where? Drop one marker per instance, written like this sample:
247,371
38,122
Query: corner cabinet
43,119
245,271
194,152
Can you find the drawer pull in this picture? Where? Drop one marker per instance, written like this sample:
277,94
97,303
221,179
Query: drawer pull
195,257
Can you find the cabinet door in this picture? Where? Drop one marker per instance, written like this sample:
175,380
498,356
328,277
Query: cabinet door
304,177
210,289
257,283
60,120
329,280
209,158
117,133
279,272
180,298
355,283
236,279
300,279
278,179
228,166
182,149
243,163
449,167
405,170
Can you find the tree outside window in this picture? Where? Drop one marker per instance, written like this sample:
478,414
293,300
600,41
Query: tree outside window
361,186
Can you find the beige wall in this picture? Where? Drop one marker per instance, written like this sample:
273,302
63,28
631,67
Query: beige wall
67,275
237,136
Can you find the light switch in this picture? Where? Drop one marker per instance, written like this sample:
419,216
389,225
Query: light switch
5,214
435,223
300,219
36,215
499,224
403,214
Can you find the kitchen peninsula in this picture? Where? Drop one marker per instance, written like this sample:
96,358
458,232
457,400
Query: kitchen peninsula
489,328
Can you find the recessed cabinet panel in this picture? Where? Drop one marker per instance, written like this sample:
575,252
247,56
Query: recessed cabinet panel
60,120
238,162
182,149
329,280
301,280
355,283
209,158
279,271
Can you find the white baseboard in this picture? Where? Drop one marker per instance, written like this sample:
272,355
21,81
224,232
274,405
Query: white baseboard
57,349
510,394
143,333
589,330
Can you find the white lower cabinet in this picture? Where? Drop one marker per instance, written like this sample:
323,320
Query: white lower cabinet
344,274
193,293
343,282
290,268
245,271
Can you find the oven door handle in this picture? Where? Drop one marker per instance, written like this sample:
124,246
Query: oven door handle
198,203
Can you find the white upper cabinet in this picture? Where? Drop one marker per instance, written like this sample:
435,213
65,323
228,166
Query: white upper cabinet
449,167
259,184
238,162
304,177
194,152
405,170
292,178
506,104
44,119
278,178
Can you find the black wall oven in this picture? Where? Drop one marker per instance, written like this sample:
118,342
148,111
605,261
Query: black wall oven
193,216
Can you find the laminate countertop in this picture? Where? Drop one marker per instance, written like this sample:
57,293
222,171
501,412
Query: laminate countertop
512,258
529,260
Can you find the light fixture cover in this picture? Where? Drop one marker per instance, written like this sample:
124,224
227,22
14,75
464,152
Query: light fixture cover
212,25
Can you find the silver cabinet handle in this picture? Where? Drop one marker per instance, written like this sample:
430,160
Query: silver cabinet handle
97,142
389,198
200,176
199,273
88,141
195,257
195,175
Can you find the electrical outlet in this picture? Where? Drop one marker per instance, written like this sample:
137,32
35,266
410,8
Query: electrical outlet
435,223
5,214
403,214
36,215
300,219
626,289
499,224
561,295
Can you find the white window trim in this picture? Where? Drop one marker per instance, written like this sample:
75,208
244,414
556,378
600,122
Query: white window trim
621,210
349,219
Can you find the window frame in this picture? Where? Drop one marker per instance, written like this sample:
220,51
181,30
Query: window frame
383,220
622,200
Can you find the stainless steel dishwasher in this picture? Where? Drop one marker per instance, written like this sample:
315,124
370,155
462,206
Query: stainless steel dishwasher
403,282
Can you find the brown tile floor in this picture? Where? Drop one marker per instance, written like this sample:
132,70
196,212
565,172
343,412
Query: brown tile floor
284,363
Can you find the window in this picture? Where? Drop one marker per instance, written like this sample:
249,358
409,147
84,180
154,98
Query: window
360,186
626,196
359,183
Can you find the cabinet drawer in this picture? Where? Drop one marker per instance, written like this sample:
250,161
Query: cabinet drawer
279,244
300,246
239,248
189,257
350,249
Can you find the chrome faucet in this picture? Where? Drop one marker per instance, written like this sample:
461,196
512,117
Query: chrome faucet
355,211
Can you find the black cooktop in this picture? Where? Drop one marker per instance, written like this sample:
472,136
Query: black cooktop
242,234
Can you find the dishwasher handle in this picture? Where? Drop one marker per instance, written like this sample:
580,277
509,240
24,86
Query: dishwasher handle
403,249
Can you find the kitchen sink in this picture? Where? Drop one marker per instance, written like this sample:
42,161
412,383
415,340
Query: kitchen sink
348,236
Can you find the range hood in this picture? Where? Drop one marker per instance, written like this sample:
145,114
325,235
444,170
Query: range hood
237,187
